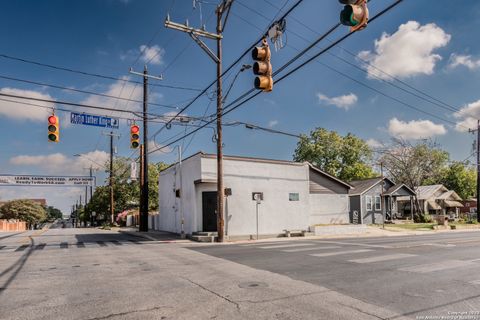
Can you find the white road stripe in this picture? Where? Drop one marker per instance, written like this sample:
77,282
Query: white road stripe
310,249
384,258
438,266
288,245
356,244
261,243
475,282
328,254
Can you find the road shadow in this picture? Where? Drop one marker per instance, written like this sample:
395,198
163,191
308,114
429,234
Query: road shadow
10,235
16,267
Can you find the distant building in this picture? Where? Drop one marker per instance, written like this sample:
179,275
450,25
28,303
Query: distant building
293,196
373,199
437,200
469,206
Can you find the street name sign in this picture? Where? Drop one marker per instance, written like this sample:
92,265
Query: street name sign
28,180
93,120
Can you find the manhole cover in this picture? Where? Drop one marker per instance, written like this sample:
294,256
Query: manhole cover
247,285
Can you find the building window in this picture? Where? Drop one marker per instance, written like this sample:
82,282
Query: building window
369,201
378,203
293,197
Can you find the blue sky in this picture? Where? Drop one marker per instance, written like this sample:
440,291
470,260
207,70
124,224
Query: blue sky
430,48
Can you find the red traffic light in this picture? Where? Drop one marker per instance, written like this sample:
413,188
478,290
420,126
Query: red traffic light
52,119
134,129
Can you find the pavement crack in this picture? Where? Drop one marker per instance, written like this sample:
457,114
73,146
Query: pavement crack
215,293
286,297
362,311
127,312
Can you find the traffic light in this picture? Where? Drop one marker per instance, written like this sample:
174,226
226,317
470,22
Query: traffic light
262,67
354,14
134,136
53,128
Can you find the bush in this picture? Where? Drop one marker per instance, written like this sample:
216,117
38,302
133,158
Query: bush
423,218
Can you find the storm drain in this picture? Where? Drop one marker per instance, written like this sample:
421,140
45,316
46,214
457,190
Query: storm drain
249,285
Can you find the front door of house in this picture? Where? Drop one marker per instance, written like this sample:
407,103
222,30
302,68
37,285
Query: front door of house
209,208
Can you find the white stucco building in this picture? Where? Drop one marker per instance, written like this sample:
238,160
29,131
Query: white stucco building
295,196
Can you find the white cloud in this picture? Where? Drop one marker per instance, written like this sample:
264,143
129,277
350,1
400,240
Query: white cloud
457,60
407,52
468,116
150,55
343,102
23,111
60,164
415,129
272,123
372,143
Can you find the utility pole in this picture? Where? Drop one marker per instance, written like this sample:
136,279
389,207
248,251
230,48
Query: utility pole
143,225
222,12
112,209
478,166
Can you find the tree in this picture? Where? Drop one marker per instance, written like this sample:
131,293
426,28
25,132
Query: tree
126,192
458,177
343,157
414,164
25,210
53,213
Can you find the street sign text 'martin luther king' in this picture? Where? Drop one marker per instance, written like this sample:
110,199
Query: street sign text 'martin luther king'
34,180
93,120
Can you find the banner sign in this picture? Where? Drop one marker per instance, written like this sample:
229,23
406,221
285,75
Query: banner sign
25,180
93,120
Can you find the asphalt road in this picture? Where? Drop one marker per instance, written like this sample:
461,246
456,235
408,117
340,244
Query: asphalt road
415,276
91,274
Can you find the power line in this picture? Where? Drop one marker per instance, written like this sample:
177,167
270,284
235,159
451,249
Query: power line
233,64
388,8
92,74
83,91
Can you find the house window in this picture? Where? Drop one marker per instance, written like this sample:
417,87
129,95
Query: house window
293,197
378,203
369,203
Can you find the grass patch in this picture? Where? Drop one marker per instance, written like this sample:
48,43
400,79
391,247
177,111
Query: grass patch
414,226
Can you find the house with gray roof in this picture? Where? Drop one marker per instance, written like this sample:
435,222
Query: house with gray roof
373,199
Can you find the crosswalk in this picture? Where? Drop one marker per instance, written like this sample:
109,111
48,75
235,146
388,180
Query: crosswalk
66,245
364,254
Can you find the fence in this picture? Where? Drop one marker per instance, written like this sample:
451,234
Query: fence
12,225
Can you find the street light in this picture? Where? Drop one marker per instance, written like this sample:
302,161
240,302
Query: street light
243,68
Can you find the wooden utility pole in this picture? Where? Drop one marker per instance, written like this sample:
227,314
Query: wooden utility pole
222,12
478,166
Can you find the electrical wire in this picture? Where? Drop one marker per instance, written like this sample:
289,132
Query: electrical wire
97,75
226,111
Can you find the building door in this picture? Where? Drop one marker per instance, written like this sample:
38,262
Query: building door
209,208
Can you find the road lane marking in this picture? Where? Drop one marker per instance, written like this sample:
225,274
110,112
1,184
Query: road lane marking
329,254
260,244
384,258
310,249
438,266
357,244
101,243
475,282
287,246
116,242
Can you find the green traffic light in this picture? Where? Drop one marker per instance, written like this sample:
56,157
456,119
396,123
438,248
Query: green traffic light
135,144
52,137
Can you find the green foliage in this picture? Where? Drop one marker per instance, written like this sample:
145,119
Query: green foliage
25,210
53,213
125,191
414,165
423,218
457,177
345,157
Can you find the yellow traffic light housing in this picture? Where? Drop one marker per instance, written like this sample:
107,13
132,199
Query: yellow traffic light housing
262,67
354,14
53,129
134,136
